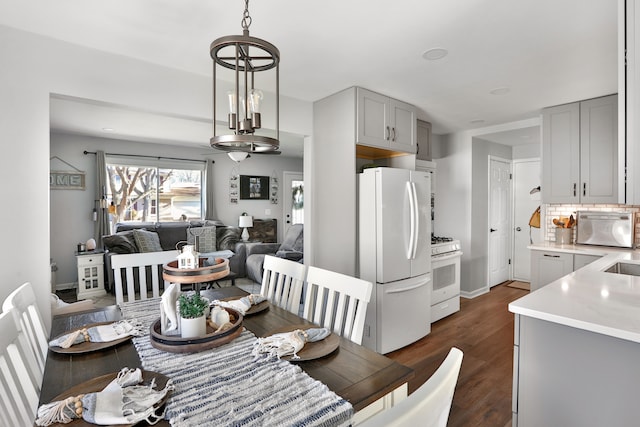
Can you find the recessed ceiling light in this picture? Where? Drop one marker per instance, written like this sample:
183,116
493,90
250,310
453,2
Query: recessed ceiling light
107,129
500,91
435,54
477,121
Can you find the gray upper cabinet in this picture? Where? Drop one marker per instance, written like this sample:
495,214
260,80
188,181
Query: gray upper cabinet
424,141
580,152
386,123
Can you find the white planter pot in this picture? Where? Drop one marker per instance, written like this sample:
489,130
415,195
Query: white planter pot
191,328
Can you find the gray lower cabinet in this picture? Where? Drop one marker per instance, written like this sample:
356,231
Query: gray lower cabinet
547,266
564,376
580,260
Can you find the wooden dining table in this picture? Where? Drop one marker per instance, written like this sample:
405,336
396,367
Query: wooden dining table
355,373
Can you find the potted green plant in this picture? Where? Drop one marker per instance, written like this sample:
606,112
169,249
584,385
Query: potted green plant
193,321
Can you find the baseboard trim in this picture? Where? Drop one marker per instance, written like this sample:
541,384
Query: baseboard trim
65,286
473,294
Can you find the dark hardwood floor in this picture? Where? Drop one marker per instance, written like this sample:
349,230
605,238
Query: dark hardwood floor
483,330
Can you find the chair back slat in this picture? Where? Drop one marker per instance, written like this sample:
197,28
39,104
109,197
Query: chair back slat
23,301
337,301
134,266
282,282
19,391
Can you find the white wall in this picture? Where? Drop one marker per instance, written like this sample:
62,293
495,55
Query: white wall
461,197
527,151
71,210
33,67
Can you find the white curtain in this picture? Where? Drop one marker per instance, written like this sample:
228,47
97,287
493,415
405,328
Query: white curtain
101,227
210,206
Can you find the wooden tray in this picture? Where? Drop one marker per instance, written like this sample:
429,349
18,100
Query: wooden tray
311,350
87,347
177,344
204,273
255,309
99,383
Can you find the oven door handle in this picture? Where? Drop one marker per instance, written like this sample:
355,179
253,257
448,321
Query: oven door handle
446,257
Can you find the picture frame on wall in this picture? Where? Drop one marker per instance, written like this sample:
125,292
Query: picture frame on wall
254,187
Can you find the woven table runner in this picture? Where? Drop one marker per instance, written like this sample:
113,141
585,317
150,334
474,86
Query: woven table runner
228,386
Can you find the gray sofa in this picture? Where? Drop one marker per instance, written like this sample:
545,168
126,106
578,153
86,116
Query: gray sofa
291,248
171,235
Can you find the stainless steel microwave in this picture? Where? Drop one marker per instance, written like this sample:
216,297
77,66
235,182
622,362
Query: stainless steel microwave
605,228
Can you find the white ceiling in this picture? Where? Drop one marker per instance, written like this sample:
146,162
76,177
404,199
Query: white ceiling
547,52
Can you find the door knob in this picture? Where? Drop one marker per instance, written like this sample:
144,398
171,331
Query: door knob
518,229
492,229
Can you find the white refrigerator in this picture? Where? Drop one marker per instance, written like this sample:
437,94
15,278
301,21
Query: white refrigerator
394,253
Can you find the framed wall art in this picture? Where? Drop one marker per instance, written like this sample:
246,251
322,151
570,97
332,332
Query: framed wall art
254,187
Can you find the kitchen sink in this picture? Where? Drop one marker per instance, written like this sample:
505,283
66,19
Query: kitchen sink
624,268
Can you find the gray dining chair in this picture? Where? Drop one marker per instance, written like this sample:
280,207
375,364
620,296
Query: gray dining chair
19,382
430,404
23,301
282,282
337,302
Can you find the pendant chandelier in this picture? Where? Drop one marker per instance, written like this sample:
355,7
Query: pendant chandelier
246,56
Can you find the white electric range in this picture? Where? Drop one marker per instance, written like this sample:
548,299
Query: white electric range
445,277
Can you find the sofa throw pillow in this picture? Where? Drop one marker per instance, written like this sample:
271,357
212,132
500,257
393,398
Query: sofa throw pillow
147,241
206,238
121,243
228,237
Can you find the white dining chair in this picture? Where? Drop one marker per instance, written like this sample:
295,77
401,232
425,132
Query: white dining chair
430,404
337,301
19,389
282,282
23,301
129,267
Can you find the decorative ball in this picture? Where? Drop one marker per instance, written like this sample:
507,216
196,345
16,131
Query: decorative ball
91,244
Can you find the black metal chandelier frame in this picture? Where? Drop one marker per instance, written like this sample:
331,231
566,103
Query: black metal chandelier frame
245,55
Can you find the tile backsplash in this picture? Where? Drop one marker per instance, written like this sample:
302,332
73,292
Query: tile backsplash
552,211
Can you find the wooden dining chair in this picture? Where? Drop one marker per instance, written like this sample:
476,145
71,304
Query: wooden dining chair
430,404
337,301
23,301
19,388
282,282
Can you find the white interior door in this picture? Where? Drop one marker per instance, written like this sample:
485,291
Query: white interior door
293,196
526,178
499,220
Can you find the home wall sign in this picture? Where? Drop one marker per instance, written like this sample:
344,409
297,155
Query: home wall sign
66,180
254,187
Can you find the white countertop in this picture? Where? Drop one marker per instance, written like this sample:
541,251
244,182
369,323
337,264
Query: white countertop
577,249
589,298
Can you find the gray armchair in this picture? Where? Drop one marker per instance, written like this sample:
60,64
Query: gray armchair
291,248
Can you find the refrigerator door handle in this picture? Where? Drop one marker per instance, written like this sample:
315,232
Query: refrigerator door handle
412,221
408,288
417,220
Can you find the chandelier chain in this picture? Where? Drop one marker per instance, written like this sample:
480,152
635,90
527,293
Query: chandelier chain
246,18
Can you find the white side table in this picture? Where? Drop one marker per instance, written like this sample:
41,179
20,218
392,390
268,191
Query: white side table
90,274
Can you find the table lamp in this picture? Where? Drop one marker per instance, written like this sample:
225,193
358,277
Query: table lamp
244,222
